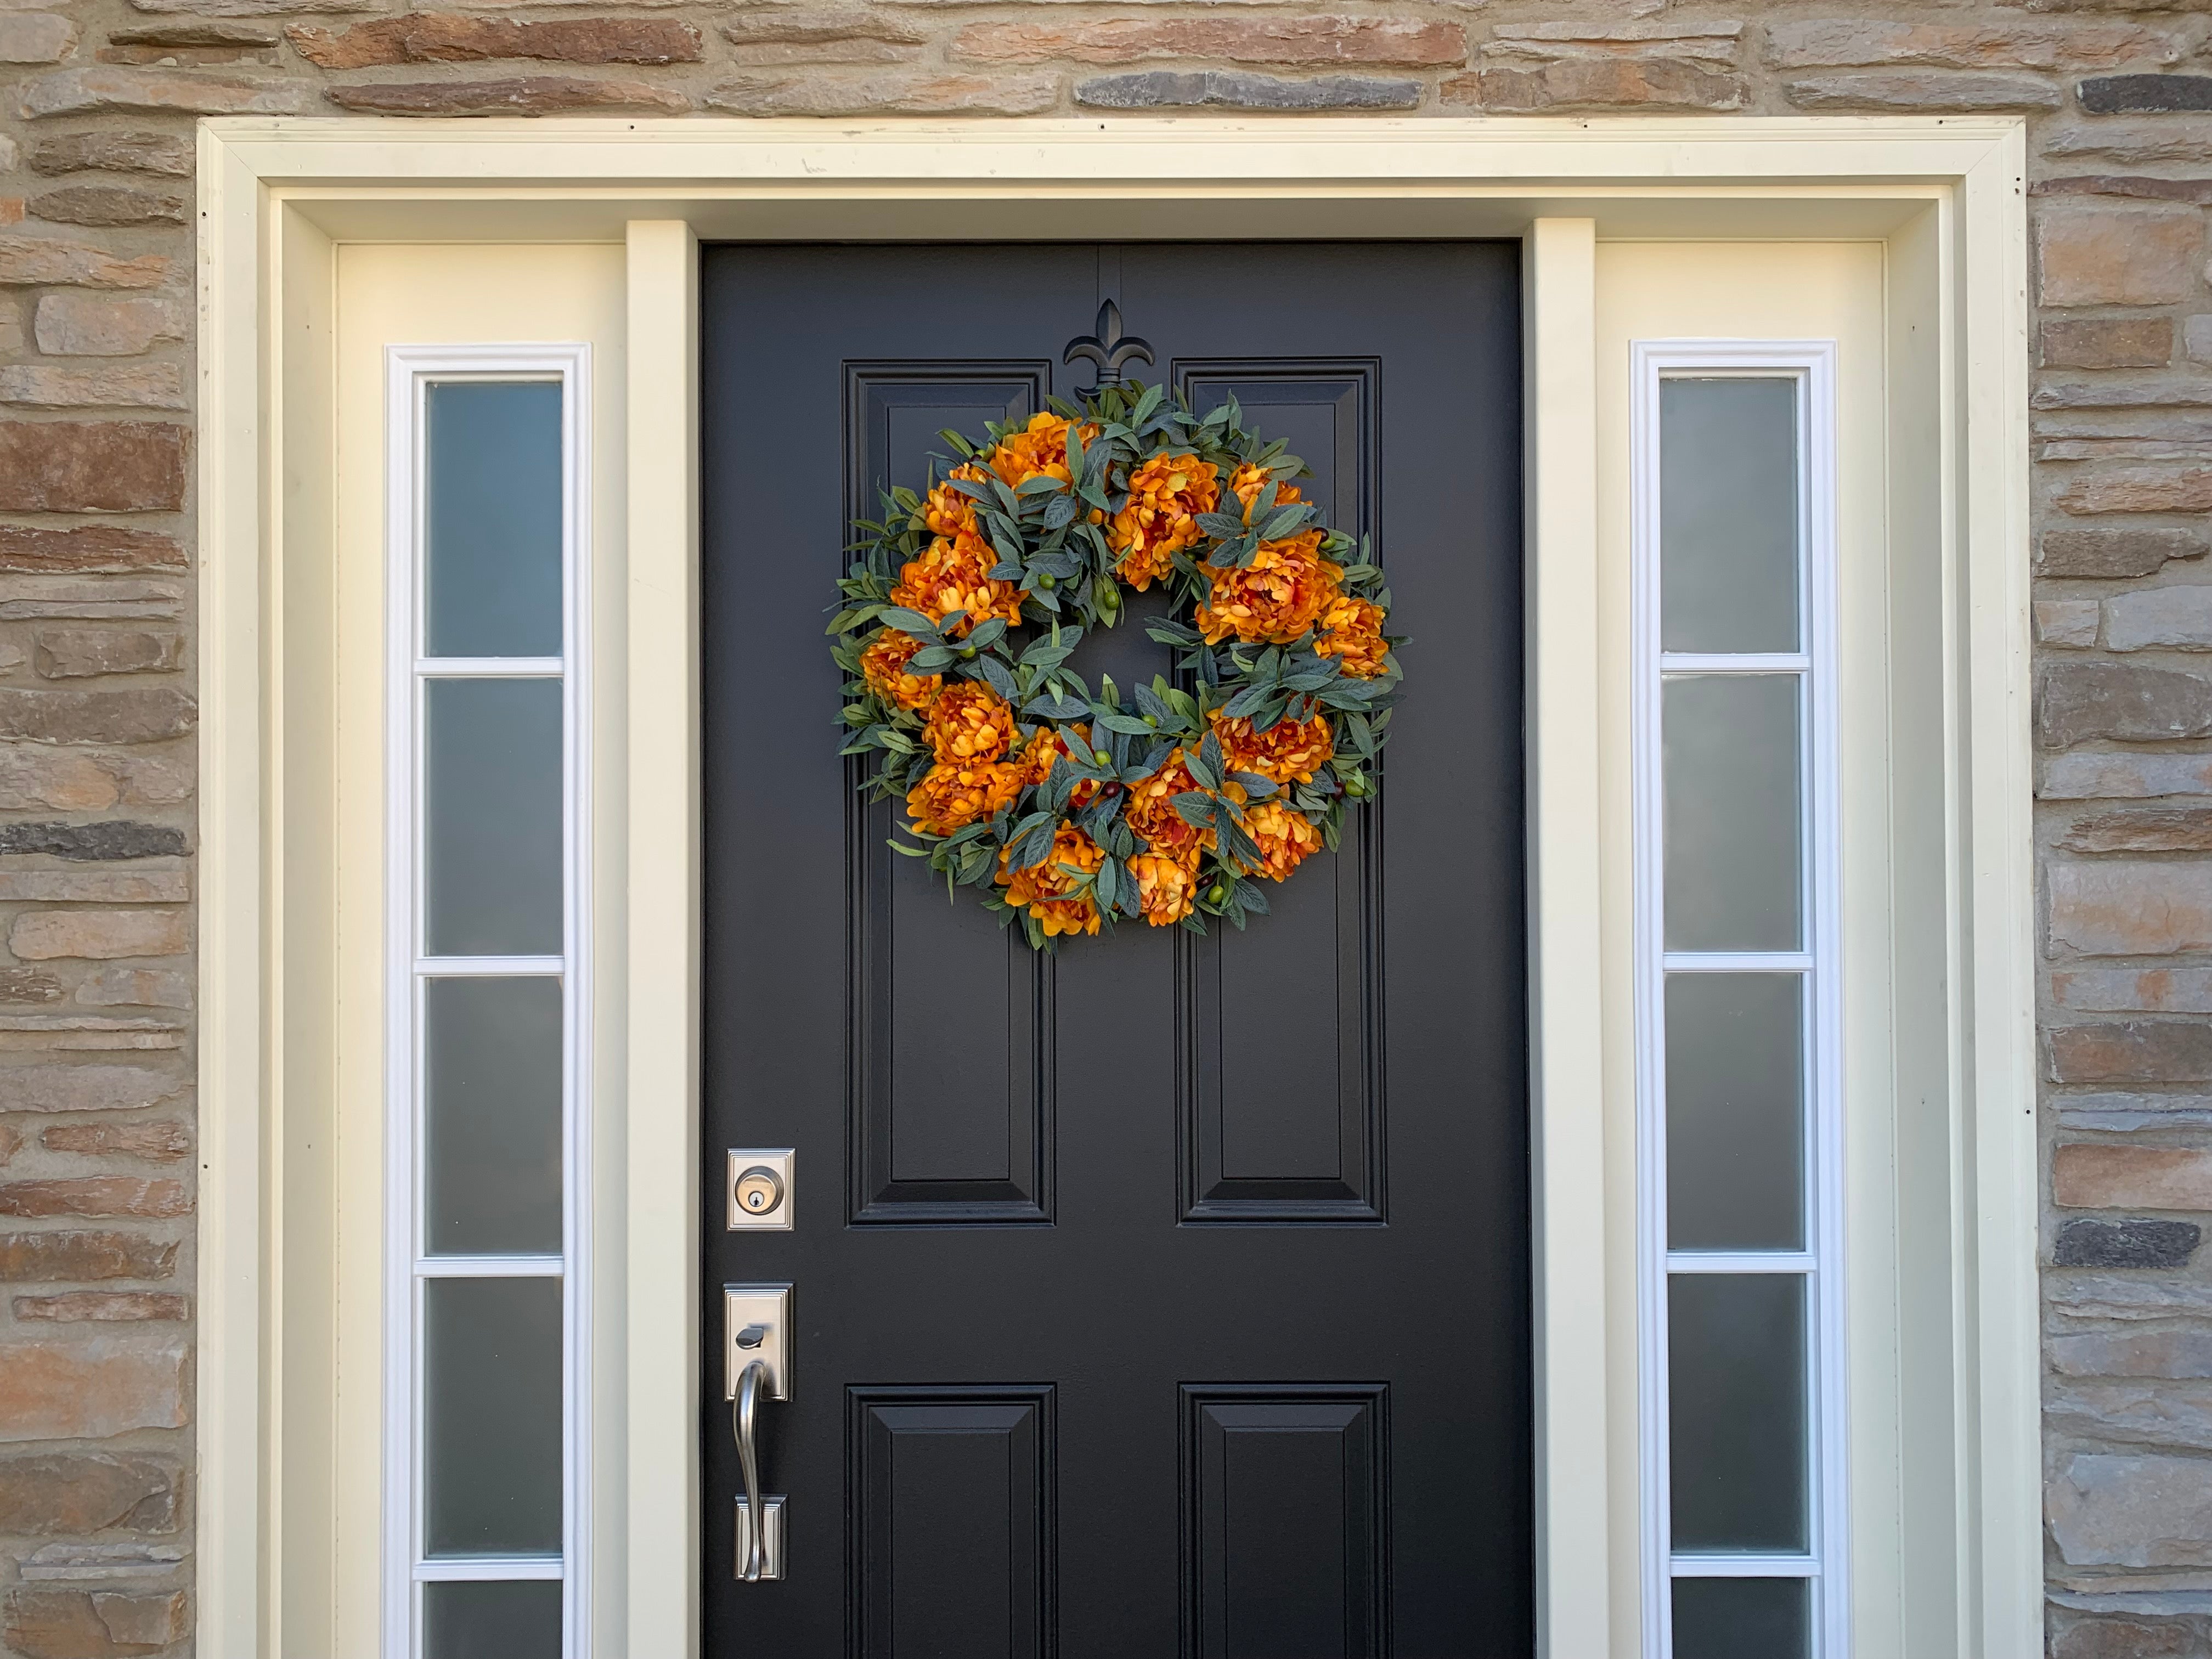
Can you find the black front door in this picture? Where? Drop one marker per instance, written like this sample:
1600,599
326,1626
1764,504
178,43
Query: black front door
1168,1296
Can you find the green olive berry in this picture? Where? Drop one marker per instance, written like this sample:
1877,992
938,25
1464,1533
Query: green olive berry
1152,720
1355,786
1047,580
1104,758
967,654
1216,893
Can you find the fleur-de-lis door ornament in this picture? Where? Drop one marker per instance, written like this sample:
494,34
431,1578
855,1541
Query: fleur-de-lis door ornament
1109,348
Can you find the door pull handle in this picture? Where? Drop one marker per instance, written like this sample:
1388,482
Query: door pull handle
756,1337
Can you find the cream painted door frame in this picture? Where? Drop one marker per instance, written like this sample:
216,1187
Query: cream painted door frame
1943,197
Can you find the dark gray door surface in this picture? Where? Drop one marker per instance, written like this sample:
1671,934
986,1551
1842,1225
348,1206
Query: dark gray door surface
1170,1297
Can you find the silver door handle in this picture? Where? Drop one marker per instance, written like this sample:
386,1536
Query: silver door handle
742,1411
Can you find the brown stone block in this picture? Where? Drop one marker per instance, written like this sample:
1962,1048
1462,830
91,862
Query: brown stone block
1922,92
2081,700
161,1141
192,43
71,1624
2129,908
33,549
90,1388
527,94
2107,341
161,92
44,935
907,91
105,1307
35,37
1232,39
789,27
2140,489
2151,830
96,1195
41,261
1650,82
166,153
78,1494
64,653
2094,1177
2113,256
110,204
2115,553
62,1258
2138,187
2131,1051
2132,1511
33,985
92,466
106,386
1849,42
85,1088
96,716
95,887
442,38
2096,1637
11,1142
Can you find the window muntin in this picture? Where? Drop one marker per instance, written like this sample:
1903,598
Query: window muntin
1738,1107
487,1324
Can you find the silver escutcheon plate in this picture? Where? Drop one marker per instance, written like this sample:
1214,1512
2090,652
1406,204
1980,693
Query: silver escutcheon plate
757,1188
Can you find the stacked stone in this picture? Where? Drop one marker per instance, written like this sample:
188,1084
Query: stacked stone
96,763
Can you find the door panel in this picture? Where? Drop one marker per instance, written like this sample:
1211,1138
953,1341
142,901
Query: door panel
1144,1318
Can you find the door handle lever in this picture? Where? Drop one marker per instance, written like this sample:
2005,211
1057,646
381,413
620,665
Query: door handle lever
756,1335
751,1547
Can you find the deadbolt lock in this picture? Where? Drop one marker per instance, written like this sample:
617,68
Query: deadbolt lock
759,1189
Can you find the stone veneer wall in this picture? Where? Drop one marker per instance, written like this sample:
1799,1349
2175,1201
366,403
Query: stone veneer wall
96,710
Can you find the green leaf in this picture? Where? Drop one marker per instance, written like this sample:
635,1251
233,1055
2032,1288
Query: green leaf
909,622
1196,809
1042,484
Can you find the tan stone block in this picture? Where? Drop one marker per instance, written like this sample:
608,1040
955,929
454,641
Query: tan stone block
2131,908
92,466
2068,622
166,153
789,25
2087,1176
2115,552
161,1140
90,1388
77,1494
33,777
1654,83
2140,489
2153,829
137,886
11,1142
2114,256
2131,1051
443,38
526,95
24,598
2133,990
142,1624
90,324
776,54
2132,1511
104,1307
110,205
1927,91
96,1196
161,92
83,1033
43,935
2107,341
30,37
35,548
41,261
908,91
1232,39
135,988
2080,700
86,1088
1848,42
2096,1638
81,1257
133,716
28,985
76,1624
109,386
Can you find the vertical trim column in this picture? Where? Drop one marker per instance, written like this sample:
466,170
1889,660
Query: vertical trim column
1566,1023
663,948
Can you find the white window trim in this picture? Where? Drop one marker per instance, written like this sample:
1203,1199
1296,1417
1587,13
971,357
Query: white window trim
410,370
1811,364
1945,196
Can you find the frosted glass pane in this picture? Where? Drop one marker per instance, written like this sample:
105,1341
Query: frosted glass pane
1730,754
491,818
491,515
492,1621
1742,1618
1736,1367
491,1065
1734,1112
491,1408
1727,515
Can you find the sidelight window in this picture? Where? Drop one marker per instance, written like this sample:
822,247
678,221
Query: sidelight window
486,1312
1740,1136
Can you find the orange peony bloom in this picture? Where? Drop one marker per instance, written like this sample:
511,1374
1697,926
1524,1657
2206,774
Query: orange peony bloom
1276,598
1047,746
1167,889
954,573
1042,891
953,795
1251,480
1352,628
1286,752
1166,494
1151,812
1286,838
970,722
1039,451
883,665
947,512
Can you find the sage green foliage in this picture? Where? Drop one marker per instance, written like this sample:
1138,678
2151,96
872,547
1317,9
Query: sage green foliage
1048,546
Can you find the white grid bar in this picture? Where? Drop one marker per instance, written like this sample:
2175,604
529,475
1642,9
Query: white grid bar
488,1569
488,1267
1742,1262
489,668
488,966
1745,1566
1735,662
1737,962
